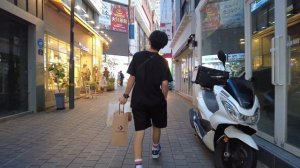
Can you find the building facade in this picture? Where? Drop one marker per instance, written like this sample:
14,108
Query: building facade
261,38
22,26
35,34
183,55
88,44
142,24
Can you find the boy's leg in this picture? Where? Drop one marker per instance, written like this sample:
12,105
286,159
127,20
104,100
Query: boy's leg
156,146
156,135
138,144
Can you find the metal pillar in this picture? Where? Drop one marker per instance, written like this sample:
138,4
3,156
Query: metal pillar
71,65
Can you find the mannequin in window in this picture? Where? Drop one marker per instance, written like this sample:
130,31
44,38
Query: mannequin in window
85,74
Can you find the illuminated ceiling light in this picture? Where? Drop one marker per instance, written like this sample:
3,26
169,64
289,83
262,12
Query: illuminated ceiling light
97,27
83,10
242,39
105,35
86,15
101,31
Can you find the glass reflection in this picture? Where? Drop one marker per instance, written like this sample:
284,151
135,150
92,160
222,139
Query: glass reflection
262,15
293,115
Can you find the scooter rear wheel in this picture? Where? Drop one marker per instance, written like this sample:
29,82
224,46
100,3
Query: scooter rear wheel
240,155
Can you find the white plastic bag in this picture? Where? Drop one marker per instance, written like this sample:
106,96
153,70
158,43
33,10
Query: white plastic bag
113,107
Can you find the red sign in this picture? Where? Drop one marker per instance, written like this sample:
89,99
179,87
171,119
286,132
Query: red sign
131,14
146,9
119,18
168,55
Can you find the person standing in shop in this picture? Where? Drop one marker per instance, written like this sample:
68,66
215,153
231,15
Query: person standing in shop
149,78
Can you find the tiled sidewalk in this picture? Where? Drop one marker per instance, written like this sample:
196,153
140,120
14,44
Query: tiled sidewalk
80,138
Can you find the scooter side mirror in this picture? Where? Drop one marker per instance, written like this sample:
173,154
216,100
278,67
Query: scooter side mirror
222,57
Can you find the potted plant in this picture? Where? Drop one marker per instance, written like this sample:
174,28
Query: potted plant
93,86
57,70
111,84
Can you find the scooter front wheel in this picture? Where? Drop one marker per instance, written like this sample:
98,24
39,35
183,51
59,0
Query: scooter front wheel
233,153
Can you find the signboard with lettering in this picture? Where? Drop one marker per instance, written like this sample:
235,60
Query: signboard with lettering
119,18
114,17
105,20
167,28
231,14
236,57
131,31
131,14
223,15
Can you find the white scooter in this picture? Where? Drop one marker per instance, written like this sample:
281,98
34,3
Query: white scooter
227,114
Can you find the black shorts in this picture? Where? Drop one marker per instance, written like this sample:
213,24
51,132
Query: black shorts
145,117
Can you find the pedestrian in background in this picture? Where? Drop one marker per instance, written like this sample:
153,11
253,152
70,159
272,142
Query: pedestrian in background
106,73
149,78
121,78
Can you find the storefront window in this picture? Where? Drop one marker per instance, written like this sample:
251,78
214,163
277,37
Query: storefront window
186,75
13,66
221,21
293,115
262,16
58,51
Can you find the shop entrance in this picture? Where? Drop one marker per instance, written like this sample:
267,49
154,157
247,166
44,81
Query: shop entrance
13,65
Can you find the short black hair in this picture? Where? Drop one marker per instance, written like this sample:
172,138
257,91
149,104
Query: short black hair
158,39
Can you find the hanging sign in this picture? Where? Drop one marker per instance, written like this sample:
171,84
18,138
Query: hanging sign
40,43
119,18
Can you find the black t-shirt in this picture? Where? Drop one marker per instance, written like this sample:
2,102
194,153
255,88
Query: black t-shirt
149,69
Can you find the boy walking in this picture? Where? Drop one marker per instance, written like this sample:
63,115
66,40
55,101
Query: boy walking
149,78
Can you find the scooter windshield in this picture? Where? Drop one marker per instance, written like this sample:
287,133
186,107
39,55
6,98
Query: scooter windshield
242,91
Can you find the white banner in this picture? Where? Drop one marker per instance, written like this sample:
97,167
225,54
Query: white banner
105,18
231,13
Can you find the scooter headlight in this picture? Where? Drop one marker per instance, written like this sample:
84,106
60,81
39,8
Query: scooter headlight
231,109
239,117
251,120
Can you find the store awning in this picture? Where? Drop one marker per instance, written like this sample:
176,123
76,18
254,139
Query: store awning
65,8
184,22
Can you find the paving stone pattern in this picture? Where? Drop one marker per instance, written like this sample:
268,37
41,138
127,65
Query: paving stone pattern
80,138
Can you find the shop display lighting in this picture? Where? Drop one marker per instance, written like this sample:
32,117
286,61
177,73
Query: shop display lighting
102,32
91,21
